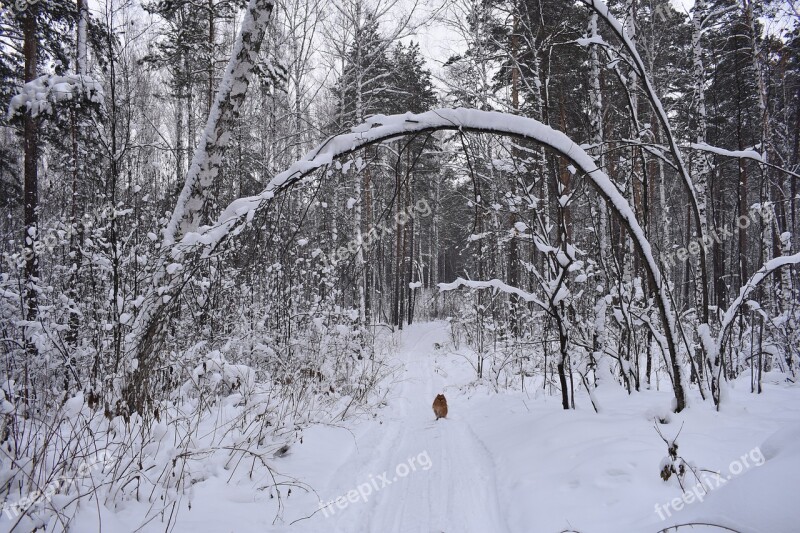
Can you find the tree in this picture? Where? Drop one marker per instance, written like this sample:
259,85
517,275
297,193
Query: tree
39,29
148,333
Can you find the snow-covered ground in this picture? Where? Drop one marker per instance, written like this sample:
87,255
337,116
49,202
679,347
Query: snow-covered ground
513,462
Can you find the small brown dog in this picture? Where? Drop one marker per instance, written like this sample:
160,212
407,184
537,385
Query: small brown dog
440,406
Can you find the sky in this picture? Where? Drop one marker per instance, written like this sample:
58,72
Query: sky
438,42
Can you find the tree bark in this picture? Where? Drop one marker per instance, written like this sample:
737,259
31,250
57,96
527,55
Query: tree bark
31,180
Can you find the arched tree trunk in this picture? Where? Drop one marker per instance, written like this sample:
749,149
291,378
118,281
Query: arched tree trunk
382,128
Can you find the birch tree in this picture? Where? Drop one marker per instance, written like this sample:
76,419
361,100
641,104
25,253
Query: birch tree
146,338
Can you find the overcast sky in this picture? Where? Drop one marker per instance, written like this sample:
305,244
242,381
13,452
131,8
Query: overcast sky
438,42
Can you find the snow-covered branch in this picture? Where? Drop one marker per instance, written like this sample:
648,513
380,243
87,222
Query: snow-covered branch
38,97
495,284
769,267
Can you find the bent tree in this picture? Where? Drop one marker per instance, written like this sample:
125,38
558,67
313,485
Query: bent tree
200,244
187,243
145,341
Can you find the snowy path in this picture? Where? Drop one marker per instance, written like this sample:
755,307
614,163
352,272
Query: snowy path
450,483
506,461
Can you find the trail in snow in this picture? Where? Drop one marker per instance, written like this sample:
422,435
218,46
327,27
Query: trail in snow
449,483
503,461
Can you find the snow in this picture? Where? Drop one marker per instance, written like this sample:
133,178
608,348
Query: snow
709,345
769,267
74,405
381,127
745,154
502,461
39,95
492,284
560,295
230,93
586,41
478,236
542,247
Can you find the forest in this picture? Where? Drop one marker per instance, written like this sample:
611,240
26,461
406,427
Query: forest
245,243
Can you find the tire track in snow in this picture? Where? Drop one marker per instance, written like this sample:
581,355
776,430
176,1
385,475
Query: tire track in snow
458,493
365,459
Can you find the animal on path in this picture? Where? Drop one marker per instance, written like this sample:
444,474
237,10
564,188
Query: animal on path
440,406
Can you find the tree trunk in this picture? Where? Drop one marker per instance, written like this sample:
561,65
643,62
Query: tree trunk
149,327
31,181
